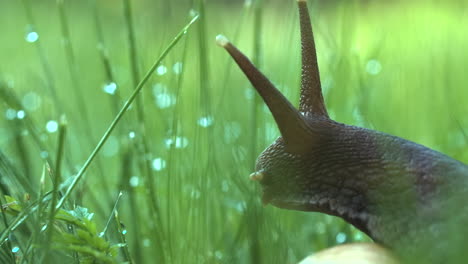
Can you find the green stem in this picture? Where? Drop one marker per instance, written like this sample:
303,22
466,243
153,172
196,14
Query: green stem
119,116
56,182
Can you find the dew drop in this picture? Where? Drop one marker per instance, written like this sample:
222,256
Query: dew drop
161,70
218,254
373,67
44,154
340,238
165,100
124,232
132,135
31,101
146,242
358,237
111,147
52,126
32,37
159,88
134,181
10,114
110,88
15,249
195,194
241,206
205,121
21,114
177,68
178,142
158,164
193,13
249,94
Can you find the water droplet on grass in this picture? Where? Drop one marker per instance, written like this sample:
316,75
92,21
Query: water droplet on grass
161,70
373,67
165,100
52,126
205,121
21,114
124,232
146,242
195,194
111,147
177,67
15,249
32,37
110,88
179,142
241,206
340,238
358,237
44,154
10,114
31,101
158,164
249,93
132,135
218,254
134,181
193,13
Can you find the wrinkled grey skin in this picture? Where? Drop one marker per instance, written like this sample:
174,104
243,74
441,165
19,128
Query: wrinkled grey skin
392,189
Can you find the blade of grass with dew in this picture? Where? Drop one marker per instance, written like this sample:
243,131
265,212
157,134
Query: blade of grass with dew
55,191
46,68
13,101
27,211
111,216
126,170
102,48
119,116
22,216
76,84
122,239
175,128
141,143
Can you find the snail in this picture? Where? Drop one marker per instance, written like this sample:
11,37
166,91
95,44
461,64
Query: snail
405,196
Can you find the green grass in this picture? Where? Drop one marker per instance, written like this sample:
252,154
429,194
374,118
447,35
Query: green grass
181,154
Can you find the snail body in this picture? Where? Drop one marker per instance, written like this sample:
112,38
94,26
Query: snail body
396,191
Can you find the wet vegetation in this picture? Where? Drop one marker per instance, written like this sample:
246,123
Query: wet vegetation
127,135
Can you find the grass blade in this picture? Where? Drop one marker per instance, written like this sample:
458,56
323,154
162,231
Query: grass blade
119,116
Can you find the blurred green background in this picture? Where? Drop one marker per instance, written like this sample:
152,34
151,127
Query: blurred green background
183,152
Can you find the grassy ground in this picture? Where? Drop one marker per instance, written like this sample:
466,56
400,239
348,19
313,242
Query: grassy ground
182,153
